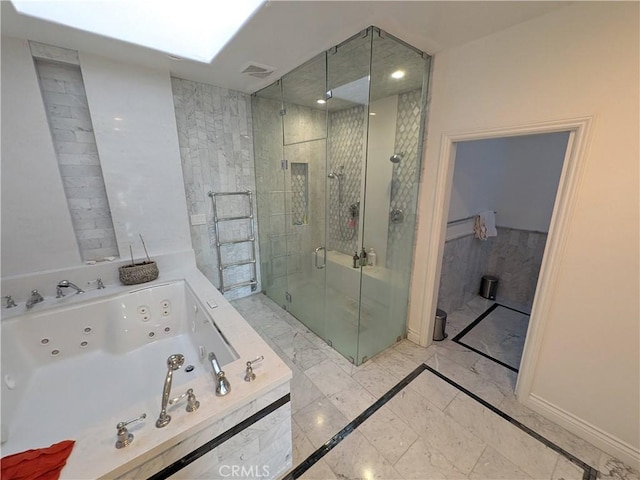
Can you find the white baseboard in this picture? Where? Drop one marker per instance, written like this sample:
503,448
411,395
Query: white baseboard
413,336
583,429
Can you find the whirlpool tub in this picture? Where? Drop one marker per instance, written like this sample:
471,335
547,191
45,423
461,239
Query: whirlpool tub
74,369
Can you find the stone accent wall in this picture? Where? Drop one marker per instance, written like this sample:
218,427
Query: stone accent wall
216,150
514,256
67,109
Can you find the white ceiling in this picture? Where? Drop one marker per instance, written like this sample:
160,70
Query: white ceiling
284,34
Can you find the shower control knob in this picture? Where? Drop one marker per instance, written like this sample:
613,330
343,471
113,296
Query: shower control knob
396,216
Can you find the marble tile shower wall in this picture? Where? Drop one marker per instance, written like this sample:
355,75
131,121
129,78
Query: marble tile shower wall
67,110
346,148
216,150
514,256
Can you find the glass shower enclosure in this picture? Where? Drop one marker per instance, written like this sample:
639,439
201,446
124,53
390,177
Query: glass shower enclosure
337,145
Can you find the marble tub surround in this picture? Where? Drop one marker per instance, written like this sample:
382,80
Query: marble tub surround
95,456
329,392
262,447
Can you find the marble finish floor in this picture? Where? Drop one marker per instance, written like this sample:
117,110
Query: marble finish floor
430,429
499,334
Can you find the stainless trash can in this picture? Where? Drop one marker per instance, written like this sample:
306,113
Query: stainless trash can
440,325
489,287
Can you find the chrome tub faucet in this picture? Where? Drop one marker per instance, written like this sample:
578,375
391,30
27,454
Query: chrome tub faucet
222,384
67,284
174,362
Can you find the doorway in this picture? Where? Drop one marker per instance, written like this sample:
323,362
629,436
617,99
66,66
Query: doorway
509,183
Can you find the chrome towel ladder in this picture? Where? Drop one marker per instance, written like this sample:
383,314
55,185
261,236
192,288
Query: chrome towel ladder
222,267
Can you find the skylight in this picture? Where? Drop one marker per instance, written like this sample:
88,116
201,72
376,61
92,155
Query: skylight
191,29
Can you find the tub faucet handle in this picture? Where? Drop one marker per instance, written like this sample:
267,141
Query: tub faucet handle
10,302
124,437
249,376
192,403
98,282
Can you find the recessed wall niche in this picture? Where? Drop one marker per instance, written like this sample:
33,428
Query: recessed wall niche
73,139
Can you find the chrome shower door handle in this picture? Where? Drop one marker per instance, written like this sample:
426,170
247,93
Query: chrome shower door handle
324,257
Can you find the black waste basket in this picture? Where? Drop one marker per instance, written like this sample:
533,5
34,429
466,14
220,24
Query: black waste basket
440,325
489,287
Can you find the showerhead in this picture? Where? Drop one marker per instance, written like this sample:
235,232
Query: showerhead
333,175
395,158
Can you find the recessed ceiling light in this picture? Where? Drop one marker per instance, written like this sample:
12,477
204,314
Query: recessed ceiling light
196,30
372,113
397,74
321,101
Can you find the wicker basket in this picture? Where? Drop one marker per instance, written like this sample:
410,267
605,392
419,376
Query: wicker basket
138,273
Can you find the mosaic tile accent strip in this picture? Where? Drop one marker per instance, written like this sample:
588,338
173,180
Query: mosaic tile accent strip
404,186
216,149
346,149
67,109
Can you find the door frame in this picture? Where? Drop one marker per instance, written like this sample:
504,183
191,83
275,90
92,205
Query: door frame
426,278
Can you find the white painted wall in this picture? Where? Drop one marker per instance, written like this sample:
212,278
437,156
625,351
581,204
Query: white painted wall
36,225
140,162
478,178
582,60
381,142
517,177
135,128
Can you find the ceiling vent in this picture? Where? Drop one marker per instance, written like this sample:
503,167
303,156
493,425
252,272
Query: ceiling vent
258,70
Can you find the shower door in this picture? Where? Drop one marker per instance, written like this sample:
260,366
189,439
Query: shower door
304,137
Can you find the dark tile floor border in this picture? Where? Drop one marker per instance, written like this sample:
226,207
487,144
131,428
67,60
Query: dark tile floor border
344,433
472,325
589,473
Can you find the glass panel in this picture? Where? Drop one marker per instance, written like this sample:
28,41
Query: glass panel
305,127
348,89
304,90
307,277
392,174
270,191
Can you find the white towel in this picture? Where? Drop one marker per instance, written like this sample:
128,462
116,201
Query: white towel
485,225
